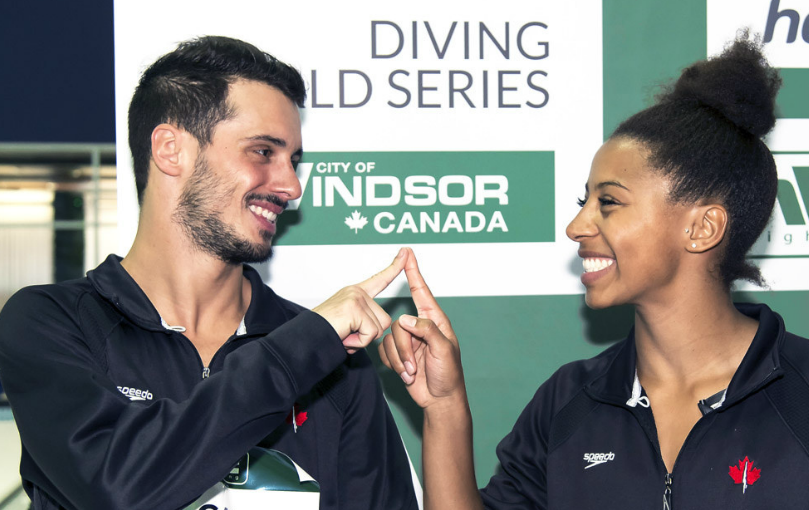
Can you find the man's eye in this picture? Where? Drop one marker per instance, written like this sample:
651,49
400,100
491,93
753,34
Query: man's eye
264,152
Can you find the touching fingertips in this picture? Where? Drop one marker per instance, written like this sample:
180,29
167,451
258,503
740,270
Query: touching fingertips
407,320
410,368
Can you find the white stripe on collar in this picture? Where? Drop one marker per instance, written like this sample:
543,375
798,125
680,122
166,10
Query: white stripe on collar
636,397
179,329
242,329
721,401
643,400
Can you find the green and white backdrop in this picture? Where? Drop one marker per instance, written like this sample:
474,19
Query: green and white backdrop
465,130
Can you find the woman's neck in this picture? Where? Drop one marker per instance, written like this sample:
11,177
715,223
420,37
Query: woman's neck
695,341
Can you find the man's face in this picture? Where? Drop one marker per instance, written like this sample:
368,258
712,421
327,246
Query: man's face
244,178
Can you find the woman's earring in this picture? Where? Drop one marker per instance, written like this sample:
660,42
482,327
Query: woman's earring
693,245
687,231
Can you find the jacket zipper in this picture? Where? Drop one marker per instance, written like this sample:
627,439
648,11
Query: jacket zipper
667,492
206,371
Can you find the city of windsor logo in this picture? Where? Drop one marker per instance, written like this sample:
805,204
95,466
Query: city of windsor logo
422,197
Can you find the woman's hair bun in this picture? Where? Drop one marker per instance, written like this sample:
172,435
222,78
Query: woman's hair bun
739,84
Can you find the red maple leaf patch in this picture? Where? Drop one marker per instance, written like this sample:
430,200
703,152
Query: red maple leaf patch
300,418
737,472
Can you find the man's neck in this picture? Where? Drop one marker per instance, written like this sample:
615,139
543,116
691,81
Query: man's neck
190,288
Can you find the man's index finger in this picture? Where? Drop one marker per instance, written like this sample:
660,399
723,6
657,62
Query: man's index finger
380,281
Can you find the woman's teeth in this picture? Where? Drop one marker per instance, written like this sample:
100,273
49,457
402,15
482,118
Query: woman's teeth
592,265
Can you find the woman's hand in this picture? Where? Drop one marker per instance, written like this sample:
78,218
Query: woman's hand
424,350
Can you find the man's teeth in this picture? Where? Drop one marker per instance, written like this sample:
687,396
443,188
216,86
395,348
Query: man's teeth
270,216
593,265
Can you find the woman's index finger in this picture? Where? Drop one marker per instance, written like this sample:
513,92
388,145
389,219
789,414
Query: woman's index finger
423,297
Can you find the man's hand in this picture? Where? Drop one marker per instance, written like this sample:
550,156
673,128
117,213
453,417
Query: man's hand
354,314
424,350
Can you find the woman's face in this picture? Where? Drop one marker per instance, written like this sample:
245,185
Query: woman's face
630,236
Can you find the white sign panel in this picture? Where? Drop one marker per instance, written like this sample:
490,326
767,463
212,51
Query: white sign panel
464,130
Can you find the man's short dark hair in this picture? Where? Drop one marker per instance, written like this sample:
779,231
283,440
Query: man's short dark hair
188,88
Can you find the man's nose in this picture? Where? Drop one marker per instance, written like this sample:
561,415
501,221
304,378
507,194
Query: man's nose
285,182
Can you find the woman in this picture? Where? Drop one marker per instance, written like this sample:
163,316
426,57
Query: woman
704,404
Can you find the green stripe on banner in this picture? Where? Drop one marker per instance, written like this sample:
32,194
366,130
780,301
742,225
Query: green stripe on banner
647,44
544,332
792,102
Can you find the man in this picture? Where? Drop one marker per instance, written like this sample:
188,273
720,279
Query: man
144,384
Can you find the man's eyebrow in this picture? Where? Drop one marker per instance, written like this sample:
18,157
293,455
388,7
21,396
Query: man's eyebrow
278,142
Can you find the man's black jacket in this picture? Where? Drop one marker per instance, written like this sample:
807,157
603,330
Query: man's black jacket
116,411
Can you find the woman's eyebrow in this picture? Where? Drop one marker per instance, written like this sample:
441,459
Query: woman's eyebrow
604,184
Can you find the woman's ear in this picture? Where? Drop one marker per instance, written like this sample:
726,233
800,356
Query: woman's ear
708,227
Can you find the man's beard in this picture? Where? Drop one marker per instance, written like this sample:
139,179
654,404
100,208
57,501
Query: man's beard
197,216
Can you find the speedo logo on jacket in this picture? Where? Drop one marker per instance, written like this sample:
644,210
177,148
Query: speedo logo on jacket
595,459
136,394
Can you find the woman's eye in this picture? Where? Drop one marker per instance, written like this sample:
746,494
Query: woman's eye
581,201
607,201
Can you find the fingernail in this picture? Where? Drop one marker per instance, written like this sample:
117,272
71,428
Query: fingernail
408,320
407,378
409,367
401,253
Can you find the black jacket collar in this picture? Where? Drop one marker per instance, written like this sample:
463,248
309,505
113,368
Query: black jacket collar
760,365
266,311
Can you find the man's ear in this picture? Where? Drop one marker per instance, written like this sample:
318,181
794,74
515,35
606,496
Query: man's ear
168,144
708,227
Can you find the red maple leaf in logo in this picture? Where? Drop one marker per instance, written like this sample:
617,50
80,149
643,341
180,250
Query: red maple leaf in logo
738,472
